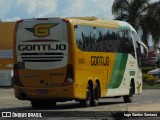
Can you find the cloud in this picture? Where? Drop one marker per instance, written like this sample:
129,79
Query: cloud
103,8
54,8
12,19
75,8
98,8
38,8
5,6
12,9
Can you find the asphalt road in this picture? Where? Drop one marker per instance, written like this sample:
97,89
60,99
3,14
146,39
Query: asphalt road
148,101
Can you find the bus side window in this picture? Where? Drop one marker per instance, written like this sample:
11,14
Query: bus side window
126,42
86,38
78,35
108,39
139,55
130,41
96,39
138,48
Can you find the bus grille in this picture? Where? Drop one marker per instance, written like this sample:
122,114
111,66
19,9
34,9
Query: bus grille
42,57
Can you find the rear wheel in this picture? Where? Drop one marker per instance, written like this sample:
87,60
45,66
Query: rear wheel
43,103
129,98
95,96
86,102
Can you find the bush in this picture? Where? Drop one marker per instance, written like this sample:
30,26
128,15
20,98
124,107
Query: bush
149,79
146,69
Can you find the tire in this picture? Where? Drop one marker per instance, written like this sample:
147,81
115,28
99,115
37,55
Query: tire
12,81
86,102
95,96
43,104
129,98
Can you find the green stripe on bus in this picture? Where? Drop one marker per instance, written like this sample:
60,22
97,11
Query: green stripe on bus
118,70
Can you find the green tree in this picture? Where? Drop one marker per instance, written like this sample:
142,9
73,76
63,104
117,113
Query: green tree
142,15
153,16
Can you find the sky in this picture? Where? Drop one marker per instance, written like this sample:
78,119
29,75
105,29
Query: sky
12,10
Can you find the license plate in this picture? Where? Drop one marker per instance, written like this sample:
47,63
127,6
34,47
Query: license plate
42,91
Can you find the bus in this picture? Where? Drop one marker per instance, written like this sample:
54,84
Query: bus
78,58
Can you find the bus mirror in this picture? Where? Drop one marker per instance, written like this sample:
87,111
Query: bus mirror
144,46
158,64
75,26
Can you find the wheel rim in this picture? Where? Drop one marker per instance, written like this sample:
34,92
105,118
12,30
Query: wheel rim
97,93
131,91
88,94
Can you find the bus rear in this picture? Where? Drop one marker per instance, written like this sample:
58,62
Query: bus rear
41,69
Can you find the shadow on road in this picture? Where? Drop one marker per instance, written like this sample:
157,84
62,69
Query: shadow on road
65,110
59,106
16,109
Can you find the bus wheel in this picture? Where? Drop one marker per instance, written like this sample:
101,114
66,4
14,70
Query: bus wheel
86,102
128,98
43,104
95,96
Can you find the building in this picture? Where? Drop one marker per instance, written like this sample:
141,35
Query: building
6,52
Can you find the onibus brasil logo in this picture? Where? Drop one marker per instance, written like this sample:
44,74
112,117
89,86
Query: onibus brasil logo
21,115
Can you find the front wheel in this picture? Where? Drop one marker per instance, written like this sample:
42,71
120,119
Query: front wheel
95,96
129,98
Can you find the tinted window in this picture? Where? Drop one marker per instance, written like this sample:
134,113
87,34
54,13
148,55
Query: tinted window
138,49
125,41
89,38
109,40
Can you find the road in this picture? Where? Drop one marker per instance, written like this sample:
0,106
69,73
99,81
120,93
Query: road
149,101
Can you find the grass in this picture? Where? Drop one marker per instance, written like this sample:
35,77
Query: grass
156,86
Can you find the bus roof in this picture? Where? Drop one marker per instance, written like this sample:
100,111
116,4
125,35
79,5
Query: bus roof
119,24
116,23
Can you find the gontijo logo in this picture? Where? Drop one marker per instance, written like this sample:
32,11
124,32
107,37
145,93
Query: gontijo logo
41,30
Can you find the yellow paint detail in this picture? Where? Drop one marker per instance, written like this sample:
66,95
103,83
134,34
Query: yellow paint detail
40,78
86,71
6,64
139,87
42,30
6,32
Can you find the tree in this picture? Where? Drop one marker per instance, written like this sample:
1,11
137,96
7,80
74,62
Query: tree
141,14
154,19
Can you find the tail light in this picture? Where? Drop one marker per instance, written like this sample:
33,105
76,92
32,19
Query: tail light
16,76
69,76
19,21
65,20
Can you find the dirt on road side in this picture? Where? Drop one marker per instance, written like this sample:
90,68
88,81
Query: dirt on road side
8,100
150,107
145,107
143,102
